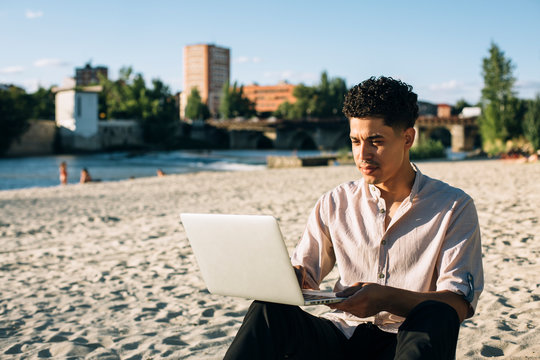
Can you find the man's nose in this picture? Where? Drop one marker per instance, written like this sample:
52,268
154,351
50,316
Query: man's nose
365,152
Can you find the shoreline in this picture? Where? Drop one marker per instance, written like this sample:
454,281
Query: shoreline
105,269
245,167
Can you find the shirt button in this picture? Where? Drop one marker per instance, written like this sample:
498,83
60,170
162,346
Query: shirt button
381,276
382,211
383,242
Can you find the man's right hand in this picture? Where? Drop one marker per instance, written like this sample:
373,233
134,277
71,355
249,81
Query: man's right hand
301,276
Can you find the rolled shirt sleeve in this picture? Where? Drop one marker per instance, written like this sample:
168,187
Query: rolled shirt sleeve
460,262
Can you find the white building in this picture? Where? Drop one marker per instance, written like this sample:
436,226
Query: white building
77,117
78,124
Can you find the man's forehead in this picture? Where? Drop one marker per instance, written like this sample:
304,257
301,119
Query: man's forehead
370,127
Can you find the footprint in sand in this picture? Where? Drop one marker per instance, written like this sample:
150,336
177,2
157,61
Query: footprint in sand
490,351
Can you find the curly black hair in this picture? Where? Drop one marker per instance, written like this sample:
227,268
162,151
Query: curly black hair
384,97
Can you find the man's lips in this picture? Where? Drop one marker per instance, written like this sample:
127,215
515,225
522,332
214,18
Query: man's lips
368,168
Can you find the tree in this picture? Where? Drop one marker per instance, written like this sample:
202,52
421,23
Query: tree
497,121
195,108
233,103
129,98
460,104
324,100
160,119
15,111
531,123
42,104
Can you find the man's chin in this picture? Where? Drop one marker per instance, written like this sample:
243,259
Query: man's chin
371,180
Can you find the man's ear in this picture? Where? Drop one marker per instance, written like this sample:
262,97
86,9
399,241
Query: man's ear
409,135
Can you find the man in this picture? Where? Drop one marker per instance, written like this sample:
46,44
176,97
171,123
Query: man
407,248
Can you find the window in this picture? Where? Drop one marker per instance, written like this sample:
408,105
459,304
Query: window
78,105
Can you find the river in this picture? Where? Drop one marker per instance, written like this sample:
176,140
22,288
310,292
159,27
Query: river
42,171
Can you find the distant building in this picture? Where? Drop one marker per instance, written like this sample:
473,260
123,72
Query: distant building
77,117
89,75
78,124
268,98
470,111
426,109
207,68
444,111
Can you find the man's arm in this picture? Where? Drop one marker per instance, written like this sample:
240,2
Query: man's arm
367,299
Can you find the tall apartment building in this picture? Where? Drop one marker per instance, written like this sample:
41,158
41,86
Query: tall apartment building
206,67
268,98
88,75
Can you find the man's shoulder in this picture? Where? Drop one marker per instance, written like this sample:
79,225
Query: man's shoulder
431,186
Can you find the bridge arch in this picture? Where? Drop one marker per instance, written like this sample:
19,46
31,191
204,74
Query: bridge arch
441,134
264,143
242,139
302,141
342,140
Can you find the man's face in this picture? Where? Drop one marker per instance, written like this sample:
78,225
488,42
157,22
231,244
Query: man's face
380,153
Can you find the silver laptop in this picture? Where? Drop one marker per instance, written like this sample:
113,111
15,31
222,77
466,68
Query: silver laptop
245,256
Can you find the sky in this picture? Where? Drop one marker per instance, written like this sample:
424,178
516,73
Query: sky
437,47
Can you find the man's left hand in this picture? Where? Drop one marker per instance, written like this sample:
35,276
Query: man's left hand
363,299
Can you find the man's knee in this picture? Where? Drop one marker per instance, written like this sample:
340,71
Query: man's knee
434,311
429,332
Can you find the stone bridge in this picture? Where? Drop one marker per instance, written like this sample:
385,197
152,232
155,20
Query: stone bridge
325,134
331,134
461,134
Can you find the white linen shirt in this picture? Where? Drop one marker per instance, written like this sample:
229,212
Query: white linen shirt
431,244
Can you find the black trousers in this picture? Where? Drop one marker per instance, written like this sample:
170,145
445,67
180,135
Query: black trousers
275,331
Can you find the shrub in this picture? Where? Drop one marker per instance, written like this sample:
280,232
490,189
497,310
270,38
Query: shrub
429,149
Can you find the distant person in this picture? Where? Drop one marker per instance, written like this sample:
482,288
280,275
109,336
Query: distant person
63,173
160,173
85,176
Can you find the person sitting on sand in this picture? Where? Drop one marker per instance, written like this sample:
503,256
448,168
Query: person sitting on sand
63,173
407,248
160,173
85,176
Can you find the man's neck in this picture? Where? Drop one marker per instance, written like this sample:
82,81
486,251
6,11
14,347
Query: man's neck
397,191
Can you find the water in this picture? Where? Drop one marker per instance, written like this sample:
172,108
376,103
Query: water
16,173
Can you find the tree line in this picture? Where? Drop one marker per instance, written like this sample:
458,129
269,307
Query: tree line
506,120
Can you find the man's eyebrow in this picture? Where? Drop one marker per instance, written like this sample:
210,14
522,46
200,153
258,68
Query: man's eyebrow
370,138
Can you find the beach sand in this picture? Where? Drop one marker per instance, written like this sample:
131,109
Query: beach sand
104,270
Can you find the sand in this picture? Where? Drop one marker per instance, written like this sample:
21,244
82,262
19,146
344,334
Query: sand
104,270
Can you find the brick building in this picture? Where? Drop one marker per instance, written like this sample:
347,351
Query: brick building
268,98
89,75
206,67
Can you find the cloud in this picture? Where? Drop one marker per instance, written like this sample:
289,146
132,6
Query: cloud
33,14
12,70
50,62
528,89
448,85
528,85
246,60
450,91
